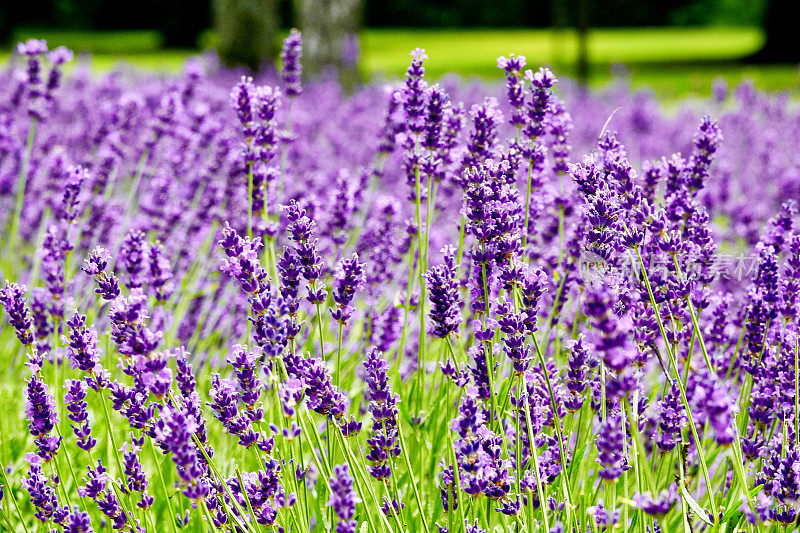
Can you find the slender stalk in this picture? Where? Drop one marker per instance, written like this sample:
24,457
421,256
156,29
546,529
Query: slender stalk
422,250
163,487
537,475
319,326
560,437
284,152
339,356
461,511
528,185
209,518
247,498
796,392
360,478
404,332
199,445
110,433
22,181
682,388
250,200
404,449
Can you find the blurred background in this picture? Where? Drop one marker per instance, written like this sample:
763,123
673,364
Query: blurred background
675,47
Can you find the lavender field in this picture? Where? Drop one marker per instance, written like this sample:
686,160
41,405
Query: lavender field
253,305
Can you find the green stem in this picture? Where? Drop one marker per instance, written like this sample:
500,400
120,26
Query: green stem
319,325
404,332
457,479
250,200
208,516
163,487
110,433
404,449
796,392
684,400
22,181
422,251
199,446
247,498
339,356
534,456
11,492
527,205
560,437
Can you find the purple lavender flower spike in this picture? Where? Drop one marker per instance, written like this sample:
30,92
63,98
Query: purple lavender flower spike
68,209
577,375
40,410
382,444
348,278
659,505
95,265
343,498
32,47
245,366
225,404
42,493
609,442
672,419
78,522
706,142
242,261
75,398
132,256
135,477
443,286
160,273
415,91
291,69
174,434
19,316
513,66
82,348
301,231
541,82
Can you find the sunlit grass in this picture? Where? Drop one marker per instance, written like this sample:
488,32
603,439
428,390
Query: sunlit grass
673,62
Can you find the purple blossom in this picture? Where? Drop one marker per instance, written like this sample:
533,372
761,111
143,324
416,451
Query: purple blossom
343,498
443,286
610,452
348,278
95,265
382,445
290,59
40,410
42,493
656,506
19,316
75,398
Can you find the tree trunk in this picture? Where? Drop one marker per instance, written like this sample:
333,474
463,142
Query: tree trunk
330,37
247,31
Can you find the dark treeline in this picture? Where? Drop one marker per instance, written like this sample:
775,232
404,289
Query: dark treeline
181,21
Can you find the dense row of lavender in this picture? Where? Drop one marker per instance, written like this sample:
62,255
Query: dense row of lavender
254,305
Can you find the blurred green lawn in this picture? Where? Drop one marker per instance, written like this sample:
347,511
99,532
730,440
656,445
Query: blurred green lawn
673,62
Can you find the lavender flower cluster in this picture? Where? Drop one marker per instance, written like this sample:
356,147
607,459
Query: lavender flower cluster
223,312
